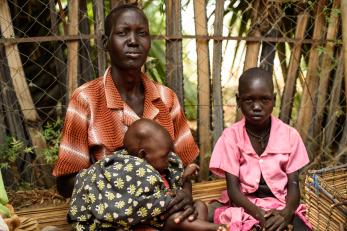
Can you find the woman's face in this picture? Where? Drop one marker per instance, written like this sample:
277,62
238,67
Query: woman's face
129,40
256,100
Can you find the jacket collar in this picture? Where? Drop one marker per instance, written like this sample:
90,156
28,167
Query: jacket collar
114,100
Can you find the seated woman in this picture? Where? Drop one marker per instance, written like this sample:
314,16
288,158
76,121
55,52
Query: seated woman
136,185
101,110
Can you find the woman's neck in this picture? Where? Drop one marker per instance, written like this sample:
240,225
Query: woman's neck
126,81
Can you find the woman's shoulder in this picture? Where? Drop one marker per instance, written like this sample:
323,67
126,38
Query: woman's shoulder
90,88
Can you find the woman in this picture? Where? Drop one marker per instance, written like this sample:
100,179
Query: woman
101,110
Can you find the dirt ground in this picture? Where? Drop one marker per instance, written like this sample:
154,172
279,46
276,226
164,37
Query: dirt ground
35,199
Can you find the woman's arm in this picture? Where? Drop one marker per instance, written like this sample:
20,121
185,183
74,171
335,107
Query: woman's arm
279,219
65,184
240,200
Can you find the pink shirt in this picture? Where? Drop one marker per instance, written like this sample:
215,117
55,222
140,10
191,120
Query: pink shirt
285,153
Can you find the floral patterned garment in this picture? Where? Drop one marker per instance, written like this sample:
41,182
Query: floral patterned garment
121,191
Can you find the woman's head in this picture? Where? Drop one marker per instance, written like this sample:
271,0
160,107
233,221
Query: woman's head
127,37
150,141
256,97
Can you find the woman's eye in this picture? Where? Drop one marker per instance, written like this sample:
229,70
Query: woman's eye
143,33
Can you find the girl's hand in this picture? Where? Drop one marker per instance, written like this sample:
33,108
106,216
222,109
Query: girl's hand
277,220
260,216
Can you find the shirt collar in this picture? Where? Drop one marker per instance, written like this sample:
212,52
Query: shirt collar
114,100
279,140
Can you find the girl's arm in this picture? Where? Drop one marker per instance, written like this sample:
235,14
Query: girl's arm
278,220
240,200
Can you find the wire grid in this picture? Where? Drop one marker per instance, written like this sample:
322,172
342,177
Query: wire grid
44,60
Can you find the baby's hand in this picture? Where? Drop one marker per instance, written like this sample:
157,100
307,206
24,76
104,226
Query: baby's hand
191,170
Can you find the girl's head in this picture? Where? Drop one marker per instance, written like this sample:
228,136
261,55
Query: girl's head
256,97
127,38
150,141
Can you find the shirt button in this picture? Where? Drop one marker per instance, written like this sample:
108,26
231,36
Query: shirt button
261,161
257,180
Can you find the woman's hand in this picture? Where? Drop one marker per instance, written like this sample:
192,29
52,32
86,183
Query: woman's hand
277,220
182,202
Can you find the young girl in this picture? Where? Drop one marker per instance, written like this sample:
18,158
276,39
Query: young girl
260,157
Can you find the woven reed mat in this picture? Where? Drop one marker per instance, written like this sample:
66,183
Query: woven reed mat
56,215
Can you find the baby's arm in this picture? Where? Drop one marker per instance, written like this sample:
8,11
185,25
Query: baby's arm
240,200
279,219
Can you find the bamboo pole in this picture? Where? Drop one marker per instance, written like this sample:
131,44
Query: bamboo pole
85,65
252,47
99,30
289,87
333,105
72,47
174,64
59,60
326,68
216,73
203,86
344,38
281,51
312,78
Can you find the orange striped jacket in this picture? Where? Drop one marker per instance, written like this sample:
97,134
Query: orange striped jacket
97,118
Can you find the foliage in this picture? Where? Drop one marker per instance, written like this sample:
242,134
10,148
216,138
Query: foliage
11,150
51,134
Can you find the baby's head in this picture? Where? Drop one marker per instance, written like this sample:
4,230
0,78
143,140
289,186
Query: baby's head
150,141
256,96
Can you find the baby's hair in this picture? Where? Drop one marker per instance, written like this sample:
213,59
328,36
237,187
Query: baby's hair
255,73
115,11
140,131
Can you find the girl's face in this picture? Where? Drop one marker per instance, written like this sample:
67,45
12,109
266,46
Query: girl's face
256,100
129,40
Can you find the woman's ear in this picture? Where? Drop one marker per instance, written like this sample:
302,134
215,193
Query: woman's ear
104,39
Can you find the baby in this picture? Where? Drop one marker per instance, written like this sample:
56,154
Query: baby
135,185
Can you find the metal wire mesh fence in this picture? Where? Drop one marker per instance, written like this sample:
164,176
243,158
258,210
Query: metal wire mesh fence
199,48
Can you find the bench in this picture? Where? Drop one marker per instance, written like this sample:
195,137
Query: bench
56,216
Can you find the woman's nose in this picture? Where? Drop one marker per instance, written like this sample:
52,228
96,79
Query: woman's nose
132,40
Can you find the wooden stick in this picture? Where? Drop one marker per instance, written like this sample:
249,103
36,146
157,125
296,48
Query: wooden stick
174,63
344,37
203,86
99,31
218,122
289,87
312,78
72,47
326,68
